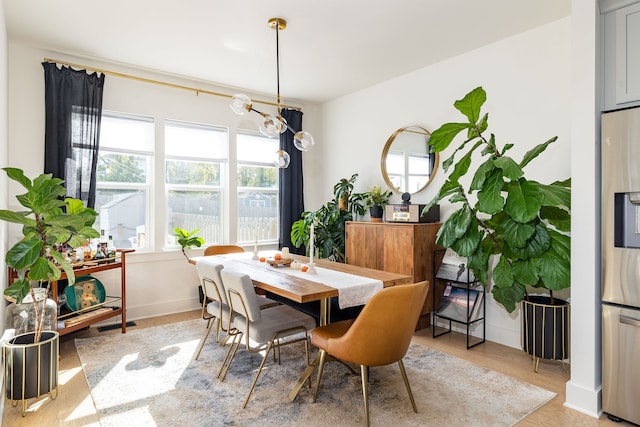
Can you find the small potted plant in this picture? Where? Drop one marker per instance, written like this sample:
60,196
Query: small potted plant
188,239
376,199
48,223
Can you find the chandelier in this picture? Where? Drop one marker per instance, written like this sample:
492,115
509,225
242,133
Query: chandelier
273,125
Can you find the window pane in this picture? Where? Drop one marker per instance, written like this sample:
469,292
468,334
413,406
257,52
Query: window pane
254,148
189,140
250,176
257,216
126,132
195,209
122,215
121,167
418,165
193,173
257,188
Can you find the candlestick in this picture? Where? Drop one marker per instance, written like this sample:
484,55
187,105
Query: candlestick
255,245
312,242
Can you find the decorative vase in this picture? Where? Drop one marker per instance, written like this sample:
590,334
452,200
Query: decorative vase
31,369
22,317
545,328
375,212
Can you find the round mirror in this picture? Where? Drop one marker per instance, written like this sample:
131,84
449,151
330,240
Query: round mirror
408,165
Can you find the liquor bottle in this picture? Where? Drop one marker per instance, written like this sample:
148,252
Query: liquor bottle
111,249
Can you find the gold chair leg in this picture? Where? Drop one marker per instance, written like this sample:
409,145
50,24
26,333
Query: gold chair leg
364,373
204,339
255,379
228,358
406,383
322,356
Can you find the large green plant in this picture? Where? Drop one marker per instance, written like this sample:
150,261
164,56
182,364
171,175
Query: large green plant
329,221
504,219
48,223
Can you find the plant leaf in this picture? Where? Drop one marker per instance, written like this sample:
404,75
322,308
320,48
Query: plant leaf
535,151
471,104
509,296
24,253
523,200
559,218
442,137
454,227
509,167
489,198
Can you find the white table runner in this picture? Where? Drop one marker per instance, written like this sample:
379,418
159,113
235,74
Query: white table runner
353,290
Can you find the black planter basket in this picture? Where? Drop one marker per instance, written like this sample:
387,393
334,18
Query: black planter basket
31,369
545,328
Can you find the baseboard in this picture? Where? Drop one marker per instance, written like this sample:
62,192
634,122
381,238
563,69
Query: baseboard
581,399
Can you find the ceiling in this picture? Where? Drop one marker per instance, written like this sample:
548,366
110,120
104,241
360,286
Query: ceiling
330,48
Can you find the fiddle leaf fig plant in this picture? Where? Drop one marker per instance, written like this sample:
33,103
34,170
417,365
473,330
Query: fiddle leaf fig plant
507,225
188,239
48,224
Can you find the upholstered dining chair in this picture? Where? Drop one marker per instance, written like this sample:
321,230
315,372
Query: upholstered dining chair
379,336
215,309
264,328
222,249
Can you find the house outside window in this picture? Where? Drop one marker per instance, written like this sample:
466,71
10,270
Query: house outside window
124,176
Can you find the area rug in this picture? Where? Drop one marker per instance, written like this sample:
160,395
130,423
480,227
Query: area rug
147,377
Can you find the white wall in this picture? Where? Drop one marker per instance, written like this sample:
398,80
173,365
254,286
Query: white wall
583,390
528,85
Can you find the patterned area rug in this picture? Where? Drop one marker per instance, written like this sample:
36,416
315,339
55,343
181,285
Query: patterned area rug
147,377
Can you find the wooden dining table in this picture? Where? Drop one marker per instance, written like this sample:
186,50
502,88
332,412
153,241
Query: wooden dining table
302,290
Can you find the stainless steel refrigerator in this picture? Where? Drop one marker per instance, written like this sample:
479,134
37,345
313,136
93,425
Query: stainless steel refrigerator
620,144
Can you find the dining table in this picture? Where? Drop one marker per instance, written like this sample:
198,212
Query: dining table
351,284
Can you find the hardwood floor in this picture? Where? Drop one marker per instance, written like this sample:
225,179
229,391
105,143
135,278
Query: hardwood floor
74,406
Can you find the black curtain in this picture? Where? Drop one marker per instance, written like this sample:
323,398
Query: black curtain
291,200
73,106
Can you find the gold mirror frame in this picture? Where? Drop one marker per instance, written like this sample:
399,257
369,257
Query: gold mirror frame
385,153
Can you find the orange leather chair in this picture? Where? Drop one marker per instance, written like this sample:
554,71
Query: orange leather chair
222,249
379,336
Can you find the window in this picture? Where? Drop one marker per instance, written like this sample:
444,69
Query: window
124,175
257,188
195,159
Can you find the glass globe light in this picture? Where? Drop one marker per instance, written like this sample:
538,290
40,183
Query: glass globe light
240,104
272,126
282,159
303,141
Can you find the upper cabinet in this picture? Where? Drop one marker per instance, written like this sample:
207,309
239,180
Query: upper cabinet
621,53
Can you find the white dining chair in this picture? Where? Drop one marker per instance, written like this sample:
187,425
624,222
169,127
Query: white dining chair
264,328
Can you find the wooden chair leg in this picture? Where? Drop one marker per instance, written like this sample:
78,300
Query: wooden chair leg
364,373
323,356
406,383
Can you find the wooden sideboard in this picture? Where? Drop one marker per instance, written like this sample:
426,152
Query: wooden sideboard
405,248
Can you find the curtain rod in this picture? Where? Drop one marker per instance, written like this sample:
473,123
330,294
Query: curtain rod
161,83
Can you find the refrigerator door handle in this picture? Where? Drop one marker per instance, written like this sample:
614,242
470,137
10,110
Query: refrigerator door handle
628,320
634,198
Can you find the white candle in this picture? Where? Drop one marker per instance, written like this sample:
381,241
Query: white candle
255,246
312,243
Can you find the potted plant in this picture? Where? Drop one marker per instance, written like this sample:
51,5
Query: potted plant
376,199
511,229
188,239
48,224
329,221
